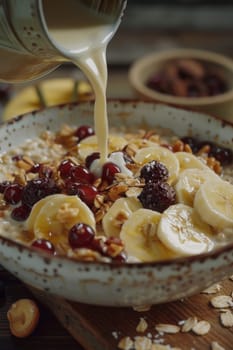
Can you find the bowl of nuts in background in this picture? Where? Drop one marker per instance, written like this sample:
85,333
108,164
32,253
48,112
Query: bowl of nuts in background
188,78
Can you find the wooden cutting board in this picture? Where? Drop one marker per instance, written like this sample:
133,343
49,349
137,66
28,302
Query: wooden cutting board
101,328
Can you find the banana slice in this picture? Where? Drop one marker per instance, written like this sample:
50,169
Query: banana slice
55,91
189,160
89,145
214,203
56,214
139,234
182,231
118,214
189,182
161,154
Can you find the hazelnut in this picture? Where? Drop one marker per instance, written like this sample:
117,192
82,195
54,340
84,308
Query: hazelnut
23,317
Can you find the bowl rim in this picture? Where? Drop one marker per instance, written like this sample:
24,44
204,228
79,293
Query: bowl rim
137,68
122,265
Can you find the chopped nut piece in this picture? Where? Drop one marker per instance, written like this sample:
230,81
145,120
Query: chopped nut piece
121,217
142,343
189,324
201,328
66,213
215,288
226,319
221,301
167,328
216,346
142,325
126,343
23,317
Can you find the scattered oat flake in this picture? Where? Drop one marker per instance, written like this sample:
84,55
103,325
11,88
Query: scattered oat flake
226,319
231,278
215,346
167,328
201,328
142,308
221,301
160,347
142,343
126,343
142,325
189,324
215,288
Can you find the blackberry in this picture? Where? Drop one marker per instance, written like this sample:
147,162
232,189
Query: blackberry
154,172
157,196
37,189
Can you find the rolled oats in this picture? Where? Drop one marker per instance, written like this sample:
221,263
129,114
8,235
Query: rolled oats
142,325
215,346
126,343
142,343
201,327
167,328
189,324
215,288
221,301
226,319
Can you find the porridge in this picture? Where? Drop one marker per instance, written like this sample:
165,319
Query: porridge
156,197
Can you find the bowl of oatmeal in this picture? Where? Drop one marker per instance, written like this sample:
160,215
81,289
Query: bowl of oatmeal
191,78
151,224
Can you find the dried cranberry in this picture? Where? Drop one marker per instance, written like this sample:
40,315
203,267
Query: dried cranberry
120,258
44,245
192,142
84,131
80,235
222,154
37,189
4,185
154,171
87,193
35,168
13,193
109,171
215,84
157,196
90,159
5,90
80,173
65,168
17,157
20,213
156,82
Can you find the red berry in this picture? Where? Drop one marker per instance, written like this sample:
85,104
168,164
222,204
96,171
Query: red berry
20,213
35,168
13,193
65,168
87,193
81,174
84,131
45,245
80,235
4,185
90,159
109,171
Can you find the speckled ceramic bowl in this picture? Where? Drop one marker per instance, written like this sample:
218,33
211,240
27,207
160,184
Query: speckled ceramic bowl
109,284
